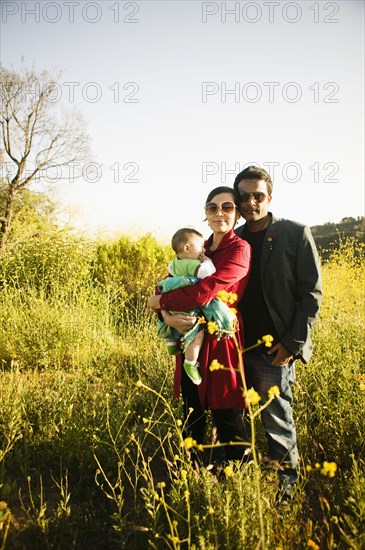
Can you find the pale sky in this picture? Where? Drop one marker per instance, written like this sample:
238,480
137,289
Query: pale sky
179,96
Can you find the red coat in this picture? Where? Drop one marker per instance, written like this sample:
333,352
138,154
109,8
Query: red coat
220,389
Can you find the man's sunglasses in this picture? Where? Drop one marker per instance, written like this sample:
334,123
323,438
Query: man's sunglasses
258,197
226,207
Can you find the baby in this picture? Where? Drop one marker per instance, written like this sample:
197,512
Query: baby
189,262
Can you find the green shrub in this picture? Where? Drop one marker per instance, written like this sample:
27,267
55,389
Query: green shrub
129,270
47,263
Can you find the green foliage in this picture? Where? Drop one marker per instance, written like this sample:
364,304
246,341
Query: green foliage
129,270
34,213
54,331
87,413
329,237
330,386
48,262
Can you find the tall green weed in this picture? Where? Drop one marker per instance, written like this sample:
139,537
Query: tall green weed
49,263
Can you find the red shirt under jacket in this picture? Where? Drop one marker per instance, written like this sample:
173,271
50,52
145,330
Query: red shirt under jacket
220,389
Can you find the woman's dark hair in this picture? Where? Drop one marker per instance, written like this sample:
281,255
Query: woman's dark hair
223,189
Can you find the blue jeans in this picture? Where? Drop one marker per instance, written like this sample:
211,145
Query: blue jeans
277,418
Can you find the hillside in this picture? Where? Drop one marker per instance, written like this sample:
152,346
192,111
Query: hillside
329,235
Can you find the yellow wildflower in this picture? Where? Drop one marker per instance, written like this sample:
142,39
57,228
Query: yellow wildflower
312,544
223,295
228,471
308,468
362,386
184,474
317,466
252,396
212,327
268,340
201,320
227,297
329,468
215,365
274,390
210,510
139,384
189,442
178,422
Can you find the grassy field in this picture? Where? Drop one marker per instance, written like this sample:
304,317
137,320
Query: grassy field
91,447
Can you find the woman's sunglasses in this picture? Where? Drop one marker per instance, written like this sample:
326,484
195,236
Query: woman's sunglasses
226,207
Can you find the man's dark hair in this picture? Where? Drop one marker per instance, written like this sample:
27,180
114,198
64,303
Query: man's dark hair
181,237
254,173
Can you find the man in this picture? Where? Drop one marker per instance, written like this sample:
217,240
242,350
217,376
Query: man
282,299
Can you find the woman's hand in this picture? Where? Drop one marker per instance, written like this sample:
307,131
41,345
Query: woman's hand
154,302
202,257
179,321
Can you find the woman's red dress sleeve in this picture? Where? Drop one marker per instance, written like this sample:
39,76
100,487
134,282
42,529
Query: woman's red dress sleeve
232,266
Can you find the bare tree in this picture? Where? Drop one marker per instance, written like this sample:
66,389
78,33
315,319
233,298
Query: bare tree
37,138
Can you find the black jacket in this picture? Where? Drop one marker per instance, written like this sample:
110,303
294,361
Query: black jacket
291,282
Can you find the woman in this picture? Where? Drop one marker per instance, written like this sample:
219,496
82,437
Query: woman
221,390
